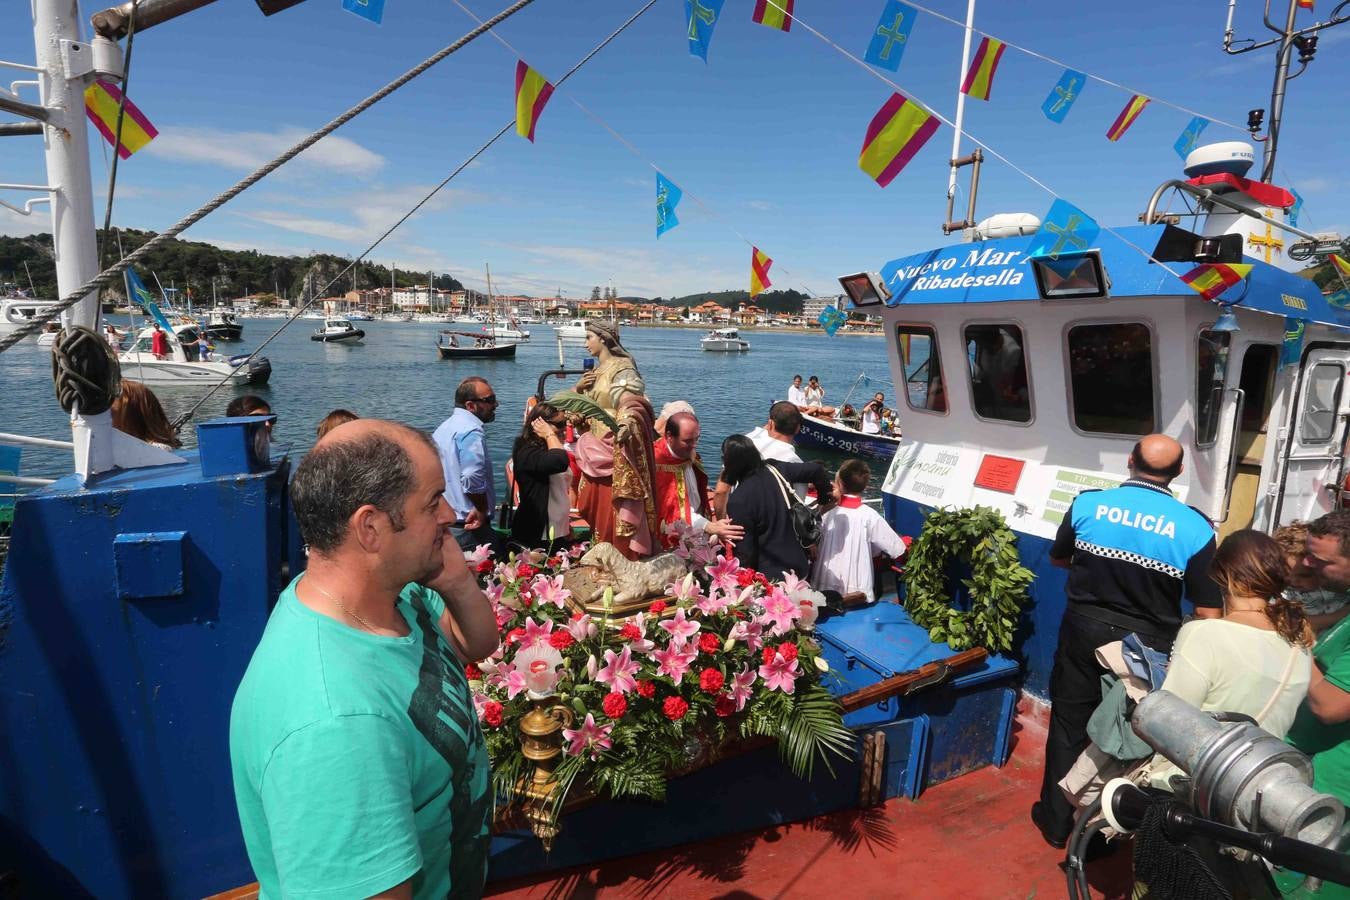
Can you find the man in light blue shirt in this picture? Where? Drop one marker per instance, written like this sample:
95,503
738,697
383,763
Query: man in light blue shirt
468,466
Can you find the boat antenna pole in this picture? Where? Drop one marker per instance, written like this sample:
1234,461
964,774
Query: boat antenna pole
975,158
1288,39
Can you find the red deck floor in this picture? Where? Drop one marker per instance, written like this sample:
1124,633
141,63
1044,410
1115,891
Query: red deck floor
968,838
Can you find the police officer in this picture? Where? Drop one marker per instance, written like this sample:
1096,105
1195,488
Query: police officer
1132,553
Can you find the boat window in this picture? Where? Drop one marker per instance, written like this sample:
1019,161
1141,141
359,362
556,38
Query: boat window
1321,399
1111,378
1257,381
922,367
1211,371
998,372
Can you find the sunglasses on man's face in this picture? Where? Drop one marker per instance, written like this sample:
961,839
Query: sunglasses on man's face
490,398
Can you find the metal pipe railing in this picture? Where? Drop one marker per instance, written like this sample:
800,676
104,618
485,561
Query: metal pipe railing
24,440
1205,195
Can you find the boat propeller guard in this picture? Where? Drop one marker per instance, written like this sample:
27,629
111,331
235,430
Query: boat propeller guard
85,371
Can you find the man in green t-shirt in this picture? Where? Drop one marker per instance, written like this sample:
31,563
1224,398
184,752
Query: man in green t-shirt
359,768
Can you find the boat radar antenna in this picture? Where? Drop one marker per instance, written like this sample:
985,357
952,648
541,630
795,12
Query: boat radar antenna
1289,39
976,158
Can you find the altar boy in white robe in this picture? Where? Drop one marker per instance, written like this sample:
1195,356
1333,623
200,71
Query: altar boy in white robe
851,535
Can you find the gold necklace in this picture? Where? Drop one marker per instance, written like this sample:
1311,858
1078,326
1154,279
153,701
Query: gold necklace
344,608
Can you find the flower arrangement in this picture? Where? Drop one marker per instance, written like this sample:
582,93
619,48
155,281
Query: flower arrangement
724,656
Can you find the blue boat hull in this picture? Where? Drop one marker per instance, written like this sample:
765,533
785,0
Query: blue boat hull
825,436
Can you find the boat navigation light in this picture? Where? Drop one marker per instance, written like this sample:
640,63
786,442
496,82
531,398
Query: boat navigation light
1070,276
865,289
1227,321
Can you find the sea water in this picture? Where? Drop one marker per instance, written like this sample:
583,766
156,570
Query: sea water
396,373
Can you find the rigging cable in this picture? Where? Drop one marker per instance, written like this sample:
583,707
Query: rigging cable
183,419
34,325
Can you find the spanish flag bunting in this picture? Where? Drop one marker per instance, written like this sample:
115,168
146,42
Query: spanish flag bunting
774,13
899,129
1340,265
1305,4
100,104
980,76
1212,279
1126,118
532,92
759,272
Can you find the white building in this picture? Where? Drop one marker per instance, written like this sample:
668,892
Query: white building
421,296
812,307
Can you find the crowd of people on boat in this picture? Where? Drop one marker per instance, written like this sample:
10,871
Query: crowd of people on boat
874,417
1269,637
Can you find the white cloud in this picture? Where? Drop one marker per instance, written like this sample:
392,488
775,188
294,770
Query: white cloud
248,150
761,205
325,228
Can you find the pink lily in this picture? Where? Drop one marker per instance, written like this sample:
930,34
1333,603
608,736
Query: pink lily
749,632
592,667
780,674
780,611
550,590
582,628
589,736
723,573
675,660
494,592
478,554
739,689
643,644
506,572
618,671
684,590
536,633
712,604
679,628
480,700
512,680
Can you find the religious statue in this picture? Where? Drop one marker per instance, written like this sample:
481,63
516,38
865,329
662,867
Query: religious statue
617,494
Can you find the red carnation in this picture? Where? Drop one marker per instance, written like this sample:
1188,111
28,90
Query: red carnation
561,639
725,705
657,607
473,673
767,653
674,708
614,705
646,689
526,598
710,680
484,567
576,616
630,632
745,577
709,642
789,650
526,571
515,634
492,713
762,580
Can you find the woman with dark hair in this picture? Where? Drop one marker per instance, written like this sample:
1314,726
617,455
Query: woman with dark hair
540,467
760,503
137,412
1256,659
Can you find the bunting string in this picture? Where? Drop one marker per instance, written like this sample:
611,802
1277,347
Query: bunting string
786,10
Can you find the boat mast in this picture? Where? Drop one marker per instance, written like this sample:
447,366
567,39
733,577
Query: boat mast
956,162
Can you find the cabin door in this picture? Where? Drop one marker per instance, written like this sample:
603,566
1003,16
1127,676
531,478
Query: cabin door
1314,444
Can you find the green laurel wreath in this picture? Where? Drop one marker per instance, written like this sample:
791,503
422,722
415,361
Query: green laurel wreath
998,582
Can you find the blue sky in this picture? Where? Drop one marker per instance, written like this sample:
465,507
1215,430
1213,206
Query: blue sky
763,139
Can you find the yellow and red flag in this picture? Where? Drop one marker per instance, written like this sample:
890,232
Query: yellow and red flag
1305,4
759,272
980,76
1340,264
101,100
774,13
1212,279
532,92
898,131
1126,117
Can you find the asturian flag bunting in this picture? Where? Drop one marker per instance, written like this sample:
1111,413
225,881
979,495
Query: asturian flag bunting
980,76
1065,229
667,198
371,10
1191,136
701,16
898,131
759,272
773,13
1063,94
831,318
1296,208
1126,118
1212,279
100,104
1291,349
532,93
891,36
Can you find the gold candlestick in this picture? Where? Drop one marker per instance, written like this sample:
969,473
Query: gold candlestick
541,743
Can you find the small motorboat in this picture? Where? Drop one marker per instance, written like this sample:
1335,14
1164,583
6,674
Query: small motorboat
468,345
831,434
725,340
509,331
221,325
338,329
574,330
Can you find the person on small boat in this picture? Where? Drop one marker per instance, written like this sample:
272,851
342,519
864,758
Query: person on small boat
759,506
871,414
357,764
617,493
1133,552
852,535
796,394
159,343
203,348
541,468
815,399
681,482
469,486
138,412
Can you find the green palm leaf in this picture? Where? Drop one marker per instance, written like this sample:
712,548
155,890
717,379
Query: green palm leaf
813,728
571,401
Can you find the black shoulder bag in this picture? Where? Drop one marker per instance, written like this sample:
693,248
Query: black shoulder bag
805,520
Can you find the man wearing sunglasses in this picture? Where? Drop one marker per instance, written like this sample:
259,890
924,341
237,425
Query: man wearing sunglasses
469,486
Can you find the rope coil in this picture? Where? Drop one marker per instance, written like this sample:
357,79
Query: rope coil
85,371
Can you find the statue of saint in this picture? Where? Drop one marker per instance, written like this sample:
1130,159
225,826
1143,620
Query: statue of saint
617,493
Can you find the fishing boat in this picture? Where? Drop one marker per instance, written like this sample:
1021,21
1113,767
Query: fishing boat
474,346
16,311
725,340
572,330
338,330
222,325
830,434
358,316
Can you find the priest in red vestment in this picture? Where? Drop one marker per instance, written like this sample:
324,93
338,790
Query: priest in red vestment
681,483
